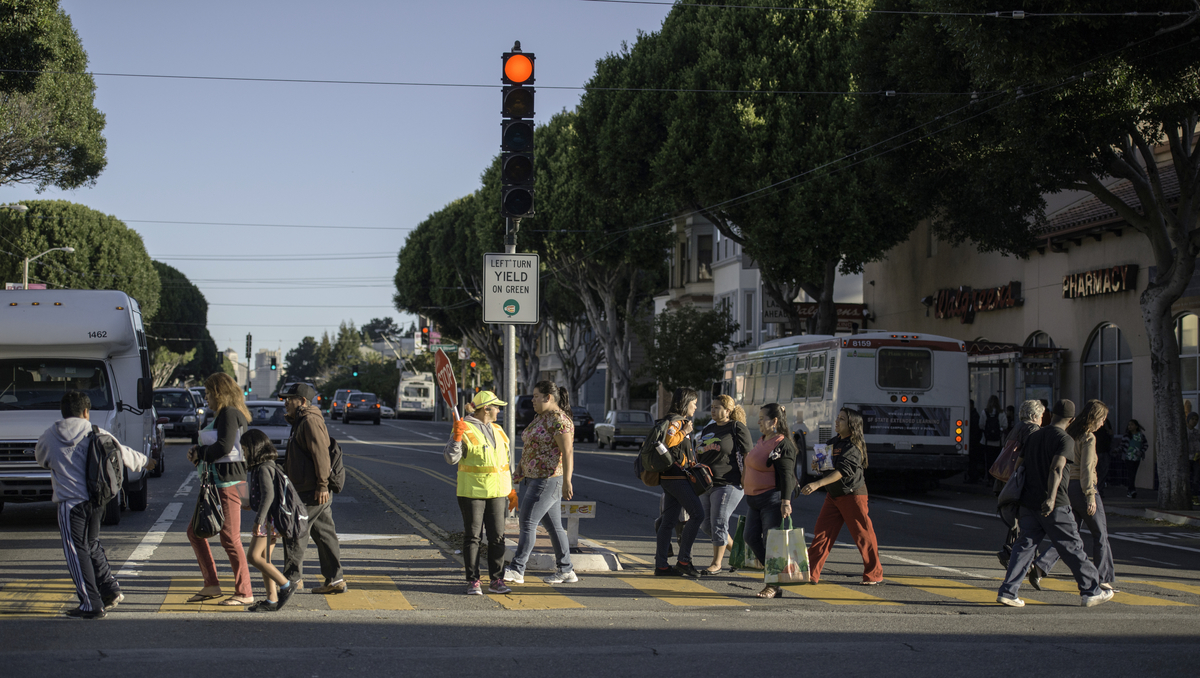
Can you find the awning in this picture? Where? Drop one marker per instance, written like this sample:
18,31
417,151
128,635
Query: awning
1000,352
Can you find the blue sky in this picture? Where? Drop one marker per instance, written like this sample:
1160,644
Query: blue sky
311,154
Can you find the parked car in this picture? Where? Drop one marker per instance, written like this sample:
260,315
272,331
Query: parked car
157,444
624,427
585,425
525,413
387,412
339,402
363,406
179,408
268,417
200,395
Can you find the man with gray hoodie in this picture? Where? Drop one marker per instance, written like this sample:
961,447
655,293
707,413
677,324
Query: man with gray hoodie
63,449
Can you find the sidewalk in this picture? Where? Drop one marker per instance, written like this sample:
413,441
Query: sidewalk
1115,501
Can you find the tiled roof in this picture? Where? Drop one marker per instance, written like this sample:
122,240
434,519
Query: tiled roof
1091,211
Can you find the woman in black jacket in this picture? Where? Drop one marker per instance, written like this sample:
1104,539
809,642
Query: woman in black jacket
769,479
226,459
725,441
845,501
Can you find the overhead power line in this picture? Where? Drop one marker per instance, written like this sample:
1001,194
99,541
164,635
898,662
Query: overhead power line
226,223
997,14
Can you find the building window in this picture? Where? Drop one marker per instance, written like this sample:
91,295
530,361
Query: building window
704,255
1040,340
1040,375
1108,373
748,318
685,264
1187,335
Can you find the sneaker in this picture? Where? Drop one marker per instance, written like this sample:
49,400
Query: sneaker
562,578
1035,577
80,613
285,594
686,570
498,586
1011,602
473,588
513,576
1104,596
666,572
110,603
332,588
263,606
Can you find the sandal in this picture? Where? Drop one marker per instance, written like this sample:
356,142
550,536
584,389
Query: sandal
201,597
770,592
234,601
711,573
871,583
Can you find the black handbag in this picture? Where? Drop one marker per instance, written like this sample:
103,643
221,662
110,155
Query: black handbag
701,478
209,516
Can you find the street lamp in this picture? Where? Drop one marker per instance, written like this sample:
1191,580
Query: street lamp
25,281
16,207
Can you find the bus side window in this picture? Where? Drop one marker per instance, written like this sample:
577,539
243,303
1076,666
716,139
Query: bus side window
816,376
760,381
771,390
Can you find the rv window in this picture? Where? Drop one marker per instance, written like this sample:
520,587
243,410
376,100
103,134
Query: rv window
905,368
39,384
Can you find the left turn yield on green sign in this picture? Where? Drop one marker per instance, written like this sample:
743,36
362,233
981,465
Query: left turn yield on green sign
510,291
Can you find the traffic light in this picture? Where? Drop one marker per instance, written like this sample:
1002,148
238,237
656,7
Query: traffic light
516,139
355,374
425,337
273,364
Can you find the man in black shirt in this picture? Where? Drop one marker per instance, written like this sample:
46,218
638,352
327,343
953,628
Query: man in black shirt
1045,512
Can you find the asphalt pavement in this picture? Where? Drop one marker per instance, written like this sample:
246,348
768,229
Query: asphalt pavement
405,612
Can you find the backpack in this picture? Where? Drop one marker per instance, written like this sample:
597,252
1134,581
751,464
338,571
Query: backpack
290,515
991,427
649,464
337,472
105,469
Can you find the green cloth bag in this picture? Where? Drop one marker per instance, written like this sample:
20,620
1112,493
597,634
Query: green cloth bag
737,554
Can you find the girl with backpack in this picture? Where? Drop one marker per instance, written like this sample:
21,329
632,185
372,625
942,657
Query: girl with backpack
769,479
1133,452
279,509
845,501
726,441
677,490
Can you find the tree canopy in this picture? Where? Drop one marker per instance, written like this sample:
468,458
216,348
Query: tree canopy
687,346
50,129
181,325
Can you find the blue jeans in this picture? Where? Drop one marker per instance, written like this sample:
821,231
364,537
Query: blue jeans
719,503
1059,527
764,515
1102,556
540,504
677,494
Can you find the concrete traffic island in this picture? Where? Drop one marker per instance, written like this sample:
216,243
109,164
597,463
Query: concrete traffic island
586,555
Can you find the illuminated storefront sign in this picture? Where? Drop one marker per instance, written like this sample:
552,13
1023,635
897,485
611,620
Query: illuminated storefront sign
965,302
1100,281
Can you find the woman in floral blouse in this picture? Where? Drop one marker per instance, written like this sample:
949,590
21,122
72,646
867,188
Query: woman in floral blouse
547,461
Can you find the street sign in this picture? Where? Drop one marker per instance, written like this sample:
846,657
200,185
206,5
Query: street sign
464,353
445,347
447,385
510,290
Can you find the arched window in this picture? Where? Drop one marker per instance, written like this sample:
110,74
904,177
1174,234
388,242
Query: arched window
1040,340
1187,334
1108,373
1040,369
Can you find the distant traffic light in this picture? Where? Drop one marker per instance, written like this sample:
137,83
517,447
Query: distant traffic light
273,365
425,336
516,139
355,374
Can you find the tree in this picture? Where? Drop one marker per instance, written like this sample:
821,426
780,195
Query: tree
50,130
379,327
108,255
687,346
181,324
577,347
345,352
303,363
164,362
1064,103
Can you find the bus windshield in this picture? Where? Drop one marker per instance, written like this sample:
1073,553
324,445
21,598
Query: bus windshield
905,368
39,383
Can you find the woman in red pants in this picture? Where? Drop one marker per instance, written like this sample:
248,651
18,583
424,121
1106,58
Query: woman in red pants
845,501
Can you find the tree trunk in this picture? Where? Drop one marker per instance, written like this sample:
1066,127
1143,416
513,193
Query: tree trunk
579,355
1170,437
528,363
826,319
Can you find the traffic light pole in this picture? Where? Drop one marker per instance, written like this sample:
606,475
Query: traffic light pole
510,355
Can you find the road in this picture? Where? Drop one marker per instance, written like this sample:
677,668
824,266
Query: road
406,612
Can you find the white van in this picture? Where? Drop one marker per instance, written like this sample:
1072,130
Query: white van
54,341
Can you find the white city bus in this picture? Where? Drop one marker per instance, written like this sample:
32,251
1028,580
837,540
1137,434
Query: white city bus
911,389
415,395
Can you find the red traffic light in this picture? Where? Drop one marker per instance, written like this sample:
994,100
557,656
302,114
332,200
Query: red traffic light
472,364
518,69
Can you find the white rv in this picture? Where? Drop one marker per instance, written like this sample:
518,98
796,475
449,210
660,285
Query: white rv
54,341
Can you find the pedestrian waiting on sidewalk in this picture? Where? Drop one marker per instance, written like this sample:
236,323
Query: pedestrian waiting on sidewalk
480,448
547,463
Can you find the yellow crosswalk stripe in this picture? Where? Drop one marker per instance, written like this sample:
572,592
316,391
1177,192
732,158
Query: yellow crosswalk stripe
1172,585
182,588
951,588
1069,586
535,595
832,594
369,592
678,591
40,598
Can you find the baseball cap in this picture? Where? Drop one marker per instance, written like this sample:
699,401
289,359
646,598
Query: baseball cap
298,390
1064,408
485,398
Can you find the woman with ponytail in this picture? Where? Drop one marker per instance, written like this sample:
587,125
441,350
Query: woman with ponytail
725,442
547,463
845,501
769,478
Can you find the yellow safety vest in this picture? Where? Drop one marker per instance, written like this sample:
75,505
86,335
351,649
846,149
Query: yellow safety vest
483,471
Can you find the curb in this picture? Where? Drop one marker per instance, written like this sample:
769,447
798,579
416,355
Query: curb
587,557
